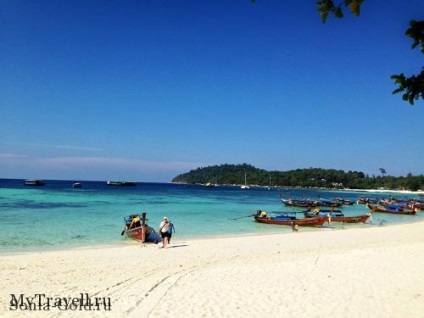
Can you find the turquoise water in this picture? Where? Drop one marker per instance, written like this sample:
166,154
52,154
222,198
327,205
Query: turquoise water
57,216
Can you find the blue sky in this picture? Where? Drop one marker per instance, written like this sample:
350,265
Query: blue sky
146,90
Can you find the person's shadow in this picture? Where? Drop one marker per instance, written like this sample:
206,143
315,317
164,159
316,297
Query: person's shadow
175,246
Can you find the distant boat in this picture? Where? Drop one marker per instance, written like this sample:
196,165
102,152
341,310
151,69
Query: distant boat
209,185
296,202
121,183
34,182
77,185
245,186
269,186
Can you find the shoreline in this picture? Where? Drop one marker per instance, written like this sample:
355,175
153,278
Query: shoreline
127,242
253,186
377,271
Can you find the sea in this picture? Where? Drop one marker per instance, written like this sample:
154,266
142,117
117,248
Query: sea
58,216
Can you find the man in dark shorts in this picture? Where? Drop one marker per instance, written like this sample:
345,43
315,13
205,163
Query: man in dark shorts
170,229
163,230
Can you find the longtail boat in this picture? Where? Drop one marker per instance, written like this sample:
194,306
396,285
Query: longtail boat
304,203
295,202
328,203
137,229
409,204
340,217
290,220
399,210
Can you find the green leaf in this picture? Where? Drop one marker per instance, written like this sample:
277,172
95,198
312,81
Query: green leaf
354,6
324,8
338,13
324,17
405,96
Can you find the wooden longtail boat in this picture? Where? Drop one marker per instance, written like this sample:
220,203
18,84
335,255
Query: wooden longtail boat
139,230
290,220
304,203
409,204
328,203
347,201
339,217
366,200
374,208
293,202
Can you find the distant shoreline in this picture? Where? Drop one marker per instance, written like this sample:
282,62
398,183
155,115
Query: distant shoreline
307,188
387,191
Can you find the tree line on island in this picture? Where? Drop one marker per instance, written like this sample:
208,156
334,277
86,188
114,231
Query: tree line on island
230,174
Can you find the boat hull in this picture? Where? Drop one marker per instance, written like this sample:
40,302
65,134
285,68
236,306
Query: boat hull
139,235
318,221
136,234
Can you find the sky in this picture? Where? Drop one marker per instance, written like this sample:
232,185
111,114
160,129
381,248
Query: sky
146,90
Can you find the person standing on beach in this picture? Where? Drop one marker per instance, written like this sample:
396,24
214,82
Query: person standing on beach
164,228
170,229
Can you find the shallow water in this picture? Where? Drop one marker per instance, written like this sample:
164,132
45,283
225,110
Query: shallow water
58,216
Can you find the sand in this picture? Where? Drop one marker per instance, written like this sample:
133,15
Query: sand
376,271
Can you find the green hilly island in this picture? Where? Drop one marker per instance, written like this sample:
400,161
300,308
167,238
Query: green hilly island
235,174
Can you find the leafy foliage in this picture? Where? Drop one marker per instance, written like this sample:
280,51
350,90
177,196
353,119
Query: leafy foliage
413,86
325,7
416,32
306,178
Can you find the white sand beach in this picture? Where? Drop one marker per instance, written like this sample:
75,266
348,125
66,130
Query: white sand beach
377,271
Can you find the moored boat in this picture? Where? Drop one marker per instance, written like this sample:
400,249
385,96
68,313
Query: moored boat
304,203
398,210
34,182
366,201
340,217
286,219
408,204
245,186
328,203
137,229
347,201
121,183
295,202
